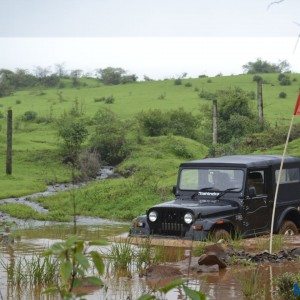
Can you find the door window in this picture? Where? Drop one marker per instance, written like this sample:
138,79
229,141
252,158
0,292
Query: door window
257,179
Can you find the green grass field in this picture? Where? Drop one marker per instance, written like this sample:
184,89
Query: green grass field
36,146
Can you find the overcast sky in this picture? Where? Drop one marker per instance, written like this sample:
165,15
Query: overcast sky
160,38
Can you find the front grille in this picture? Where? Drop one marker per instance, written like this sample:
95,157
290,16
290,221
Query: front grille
169,222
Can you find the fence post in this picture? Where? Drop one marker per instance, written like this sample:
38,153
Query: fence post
9,143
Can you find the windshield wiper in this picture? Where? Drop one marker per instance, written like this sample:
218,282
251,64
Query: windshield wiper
202,190
226,191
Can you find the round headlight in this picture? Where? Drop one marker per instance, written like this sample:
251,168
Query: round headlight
153,216
188,218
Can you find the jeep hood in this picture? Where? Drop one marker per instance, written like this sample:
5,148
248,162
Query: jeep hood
206,208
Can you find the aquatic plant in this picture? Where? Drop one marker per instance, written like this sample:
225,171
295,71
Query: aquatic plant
121,256
74,263
285,283
250,285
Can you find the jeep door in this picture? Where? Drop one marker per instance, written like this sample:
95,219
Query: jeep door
256,202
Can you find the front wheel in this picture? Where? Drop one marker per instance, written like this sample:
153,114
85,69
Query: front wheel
288,228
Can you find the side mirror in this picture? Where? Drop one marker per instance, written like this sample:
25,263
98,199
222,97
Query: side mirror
174,190
252,192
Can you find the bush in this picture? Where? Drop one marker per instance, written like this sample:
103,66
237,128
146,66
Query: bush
257,78
178,81
202,76
209,80
285,284
282,95
18,101
188,84
162,96
109,138
207,95
154,122
107,100
1,115
182,123
284,79
29,116
73,132
88,165
251,95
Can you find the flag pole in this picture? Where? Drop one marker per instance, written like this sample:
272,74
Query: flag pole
278,182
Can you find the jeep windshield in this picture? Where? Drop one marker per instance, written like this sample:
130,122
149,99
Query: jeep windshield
192,179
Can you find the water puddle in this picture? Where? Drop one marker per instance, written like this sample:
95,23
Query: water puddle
225,284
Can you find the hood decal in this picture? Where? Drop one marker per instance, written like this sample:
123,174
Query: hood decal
213,194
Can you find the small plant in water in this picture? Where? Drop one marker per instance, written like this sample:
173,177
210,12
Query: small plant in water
122,256
74,263
250,285
285,284
180,284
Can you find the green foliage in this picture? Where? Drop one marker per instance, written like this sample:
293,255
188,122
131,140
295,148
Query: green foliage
74,265
285,283
154,122
73,133
188,84
178,81
263,66
18,101
107,100
257,78
282,95
207,95
109,137
29,115
113,76
284,79
177,122
250,285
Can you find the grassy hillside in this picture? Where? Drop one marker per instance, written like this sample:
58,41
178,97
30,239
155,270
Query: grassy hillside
155,164
36,152
132,98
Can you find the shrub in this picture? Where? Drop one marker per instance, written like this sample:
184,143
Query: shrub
202,76
73,132
109,138
29,115
109,100
18,101
284,79
196,89
1,115
154,122
88,165
182,123
257,78
162,96
178,81
209,80
251,95
207,95
282,95
285,284
188,84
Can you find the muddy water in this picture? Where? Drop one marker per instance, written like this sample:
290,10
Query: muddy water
223,285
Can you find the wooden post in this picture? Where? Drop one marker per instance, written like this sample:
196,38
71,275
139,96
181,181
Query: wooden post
9,143
260,105
215,122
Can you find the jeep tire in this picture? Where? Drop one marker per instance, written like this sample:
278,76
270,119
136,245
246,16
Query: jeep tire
288,228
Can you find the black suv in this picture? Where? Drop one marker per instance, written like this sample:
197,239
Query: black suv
226,196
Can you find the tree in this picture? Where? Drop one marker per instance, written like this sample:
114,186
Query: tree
263,66
75,75
111,75
73,132
60,70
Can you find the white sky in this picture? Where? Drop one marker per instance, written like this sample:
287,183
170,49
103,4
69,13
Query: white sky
159,38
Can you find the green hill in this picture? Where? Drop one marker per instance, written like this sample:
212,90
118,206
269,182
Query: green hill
36,153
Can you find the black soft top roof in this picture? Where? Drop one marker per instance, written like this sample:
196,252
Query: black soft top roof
244,161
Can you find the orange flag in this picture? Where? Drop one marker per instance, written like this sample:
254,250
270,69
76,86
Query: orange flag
297,107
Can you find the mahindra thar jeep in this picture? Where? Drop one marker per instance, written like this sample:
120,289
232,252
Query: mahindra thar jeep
226,196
